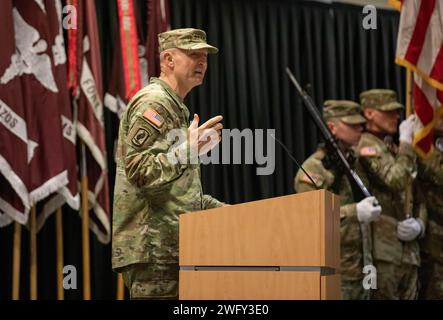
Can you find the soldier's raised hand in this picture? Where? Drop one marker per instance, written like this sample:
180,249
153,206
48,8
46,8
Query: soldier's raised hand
368,210
204,138
407,128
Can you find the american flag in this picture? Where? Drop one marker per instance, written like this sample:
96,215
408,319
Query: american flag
420,48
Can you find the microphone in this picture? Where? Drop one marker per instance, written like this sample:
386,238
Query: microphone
294,160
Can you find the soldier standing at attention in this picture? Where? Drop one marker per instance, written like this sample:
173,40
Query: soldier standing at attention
430,184
158,179
345,122
387,170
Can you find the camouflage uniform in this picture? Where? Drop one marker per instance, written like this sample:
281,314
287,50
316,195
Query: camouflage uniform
386,172
430,181
325,176
150,190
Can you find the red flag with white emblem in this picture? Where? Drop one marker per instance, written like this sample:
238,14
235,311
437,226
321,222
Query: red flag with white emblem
15,146
31,69
69,193
90,121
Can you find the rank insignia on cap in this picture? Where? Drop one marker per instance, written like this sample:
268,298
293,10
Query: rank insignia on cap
154,118
368,152
140,137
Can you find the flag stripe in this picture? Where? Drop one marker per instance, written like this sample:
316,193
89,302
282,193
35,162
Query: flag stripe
437,70
418,37
440,96
424,101
425,144
432,44
423,108
406,28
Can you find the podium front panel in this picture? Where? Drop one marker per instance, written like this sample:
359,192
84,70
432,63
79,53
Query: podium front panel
295,230
257,285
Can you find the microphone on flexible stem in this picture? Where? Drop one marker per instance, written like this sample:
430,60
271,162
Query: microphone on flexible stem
295,160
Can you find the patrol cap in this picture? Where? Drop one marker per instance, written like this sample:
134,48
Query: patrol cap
347,111
380,99
187,38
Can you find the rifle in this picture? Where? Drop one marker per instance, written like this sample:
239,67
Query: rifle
359,190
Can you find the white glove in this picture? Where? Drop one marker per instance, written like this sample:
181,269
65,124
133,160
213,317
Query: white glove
368,210
407,128
409,229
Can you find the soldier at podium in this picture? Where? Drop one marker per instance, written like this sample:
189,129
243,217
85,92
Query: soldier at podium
156,179
345,122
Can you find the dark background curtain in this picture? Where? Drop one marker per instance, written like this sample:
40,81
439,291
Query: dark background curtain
331,55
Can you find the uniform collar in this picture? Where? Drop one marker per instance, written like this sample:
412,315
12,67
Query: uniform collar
178,100
380,135
167,87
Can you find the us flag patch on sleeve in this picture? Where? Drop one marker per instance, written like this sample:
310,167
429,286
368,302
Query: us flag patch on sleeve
154,118
368,152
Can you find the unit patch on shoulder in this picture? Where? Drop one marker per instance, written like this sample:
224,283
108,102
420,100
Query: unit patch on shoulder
154,118
368,152
140,137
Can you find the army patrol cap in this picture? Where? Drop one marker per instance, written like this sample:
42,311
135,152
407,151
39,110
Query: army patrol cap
188,39
347,111
380,99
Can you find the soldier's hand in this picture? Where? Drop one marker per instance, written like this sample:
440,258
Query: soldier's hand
368,210
407,128
204,138
409,229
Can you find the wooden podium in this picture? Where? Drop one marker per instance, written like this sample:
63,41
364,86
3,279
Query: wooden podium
280,248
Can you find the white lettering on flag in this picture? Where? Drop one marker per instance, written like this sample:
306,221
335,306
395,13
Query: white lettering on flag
68,129
17,126
87,83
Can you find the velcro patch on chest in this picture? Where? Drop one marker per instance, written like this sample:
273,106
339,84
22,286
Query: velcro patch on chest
368,152
154,118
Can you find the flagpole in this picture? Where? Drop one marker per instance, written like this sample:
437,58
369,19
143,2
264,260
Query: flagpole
409,111
59,248
16,252
408,92
85,228
33,254
120,287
